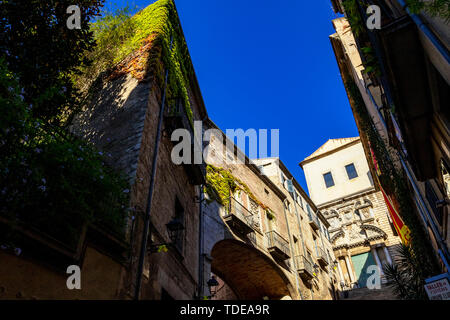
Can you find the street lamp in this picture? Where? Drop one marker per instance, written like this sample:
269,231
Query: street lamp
174,229
212,285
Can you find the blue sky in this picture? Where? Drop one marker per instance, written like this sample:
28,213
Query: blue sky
267,64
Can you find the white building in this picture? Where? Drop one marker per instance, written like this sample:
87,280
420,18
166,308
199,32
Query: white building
361,233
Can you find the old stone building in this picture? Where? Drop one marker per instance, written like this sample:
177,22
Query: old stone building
402,103
361,233
130,117
185,225
253,240
308,230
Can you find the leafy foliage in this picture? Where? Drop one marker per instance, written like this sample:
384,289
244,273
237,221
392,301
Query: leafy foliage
44,53
221,184
407,276
353,16
370,62
435,8
50,180
136,44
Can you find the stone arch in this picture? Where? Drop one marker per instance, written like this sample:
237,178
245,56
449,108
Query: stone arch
377,233
338,234
250,273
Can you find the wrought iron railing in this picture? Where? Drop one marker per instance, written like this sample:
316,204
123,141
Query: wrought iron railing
321,254
274,239
303,264
313,220
242,213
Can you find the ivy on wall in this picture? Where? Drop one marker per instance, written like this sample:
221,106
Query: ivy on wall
435,8
136,45
221,184
394,182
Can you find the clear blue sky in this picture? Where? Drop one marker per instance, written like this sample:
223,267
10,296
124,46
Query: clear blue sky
268,64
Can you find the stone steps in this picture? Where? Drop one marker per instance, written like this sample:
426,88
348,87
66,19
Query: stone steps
385,293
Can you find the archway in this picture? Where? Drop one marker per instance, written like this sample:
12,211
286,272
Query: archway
250,273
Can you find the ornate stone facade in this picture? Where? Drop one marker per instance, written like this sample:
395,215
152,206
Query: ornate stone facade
361,232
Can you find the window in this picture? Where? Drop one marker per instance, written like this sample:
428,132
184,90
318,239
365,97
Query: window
315,246
283,179
299,200
351,171
329,182
369,175
287,205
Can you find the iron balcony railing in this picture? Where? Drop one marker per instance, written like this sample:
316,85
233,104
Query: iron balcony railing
277,245
240,217
322,256
304,267
313,221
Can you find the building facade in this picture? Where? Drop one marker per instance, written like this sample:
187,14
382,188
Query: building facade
130,118
402,104
258,241
308,232
361,231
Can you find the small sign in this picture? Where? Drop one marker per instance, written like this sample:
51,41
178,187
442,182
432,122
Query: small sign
438,290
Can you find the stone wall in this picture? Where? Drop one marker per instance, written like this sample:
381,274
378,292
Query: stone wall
122,120
350,239
271,193
321,287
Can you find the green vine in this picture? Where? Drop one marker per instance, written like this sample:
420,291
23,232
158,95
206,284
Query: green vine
435,8
270,215
392,180
136,45
353,16
221,185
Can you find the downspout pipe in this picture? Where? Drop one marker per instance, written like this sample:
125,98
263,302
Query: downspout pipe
200,245
292,252
301,239
201,256
427,31
151,190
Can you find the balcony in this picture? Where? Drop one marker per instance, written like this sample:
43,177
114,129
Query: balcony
304,267
175,117
239,218
313,222
322,257
277,246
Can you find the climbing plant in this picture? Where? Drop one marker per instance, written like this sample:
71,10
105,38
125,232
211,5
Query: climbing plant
435,8
221,184
43,53
392,180
143,45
